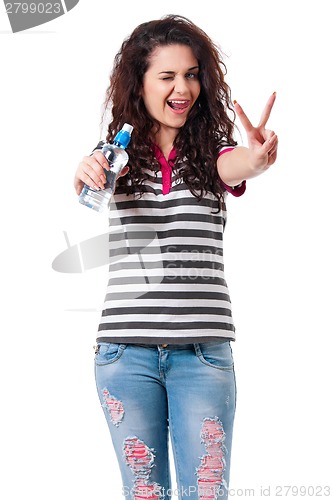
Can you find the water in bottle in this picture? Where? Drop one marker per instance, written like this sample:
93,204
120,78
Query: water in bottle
117,158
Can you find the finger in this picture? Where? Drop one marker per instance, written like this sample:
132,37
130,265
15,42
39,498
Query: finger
270,144
98,162
268,134
91,182
101,159
243,117
275,146
272,158
274,149
78,185
267,110
92,172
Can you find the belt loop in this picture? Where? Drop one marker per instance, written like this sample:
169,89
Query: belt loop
197,349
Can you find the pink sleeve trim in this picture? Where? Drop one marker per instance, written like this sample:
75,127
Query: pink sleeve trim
224,151
234,190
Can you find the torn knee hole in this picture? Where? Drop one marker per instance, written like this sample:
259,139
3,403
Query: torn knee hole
140,458
114,407
211,470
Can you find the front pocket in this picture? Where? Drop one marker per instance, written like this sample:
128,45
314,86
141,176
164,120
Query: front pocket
108,352
216,354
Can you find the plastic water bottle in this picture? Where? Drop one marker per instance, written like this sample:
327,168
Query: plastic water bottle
117,158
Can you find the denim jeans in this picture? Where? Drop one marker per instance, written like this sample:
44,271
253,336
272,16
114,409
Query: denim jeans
187,392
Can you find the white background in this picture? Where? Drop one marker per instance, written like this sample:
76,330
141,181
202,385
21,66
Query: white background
55,442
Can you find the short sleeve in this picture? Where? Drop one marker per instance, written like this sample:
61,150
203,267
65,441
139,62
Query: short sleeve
99,147
234,190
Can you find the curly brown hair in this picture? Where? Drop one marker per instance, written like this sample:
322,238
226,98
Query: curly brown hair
208,126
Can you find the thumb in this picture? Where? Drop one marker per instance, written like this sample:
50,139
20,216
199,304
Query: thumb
124,171
269,144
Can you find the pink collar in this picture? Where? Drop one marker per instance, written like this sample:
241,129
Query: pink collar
166,166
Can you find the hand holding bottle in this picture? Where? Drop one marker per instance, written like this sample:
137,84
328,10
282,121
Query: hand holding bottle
90,171
97,174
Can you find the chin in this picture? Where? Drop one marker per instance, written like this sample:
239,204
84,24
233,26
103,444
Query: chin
178,123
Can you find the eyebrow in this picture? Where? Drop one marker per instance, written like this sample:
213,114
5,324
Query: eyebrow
173,72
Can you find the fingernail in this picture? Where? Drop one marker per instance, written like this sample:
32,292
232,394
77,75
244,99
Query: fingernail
234,101
96,188
274,93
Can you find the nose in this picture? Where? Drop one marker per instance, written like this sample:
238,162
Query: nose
181,85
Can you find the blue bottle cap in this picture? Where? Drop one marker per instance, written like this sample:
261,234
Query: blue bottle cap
123,137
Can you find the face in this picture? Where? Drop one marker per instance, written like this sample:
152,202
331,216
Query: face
171,86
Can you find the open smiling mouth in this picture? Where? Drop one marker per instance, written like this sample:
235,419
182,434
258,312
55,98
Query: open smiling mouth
178,105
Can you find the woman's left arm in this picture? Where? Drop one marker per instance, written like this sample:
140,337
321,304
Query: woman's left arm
244,163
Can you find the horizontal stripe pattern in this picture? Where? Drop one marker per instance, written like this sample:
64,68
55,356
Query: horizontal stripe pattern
166,271
189,338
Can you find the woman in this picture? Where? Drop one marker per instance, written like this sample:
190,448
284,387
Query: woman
163,361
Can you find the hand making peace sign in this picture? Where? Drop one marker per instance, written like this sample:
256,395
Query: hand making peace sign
262,143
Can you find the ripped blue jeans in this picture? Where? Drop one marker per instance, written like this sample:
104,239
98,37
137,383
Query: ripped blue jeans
187,392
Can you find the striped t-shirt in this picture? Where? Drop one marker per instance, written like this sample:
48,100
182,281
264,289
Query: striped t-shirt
166,280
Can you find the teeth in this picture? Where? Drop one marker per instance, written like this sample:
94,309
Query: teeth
178,102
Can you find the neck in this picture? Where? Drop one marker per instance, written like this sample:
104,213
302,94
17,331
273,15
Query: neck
165,138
